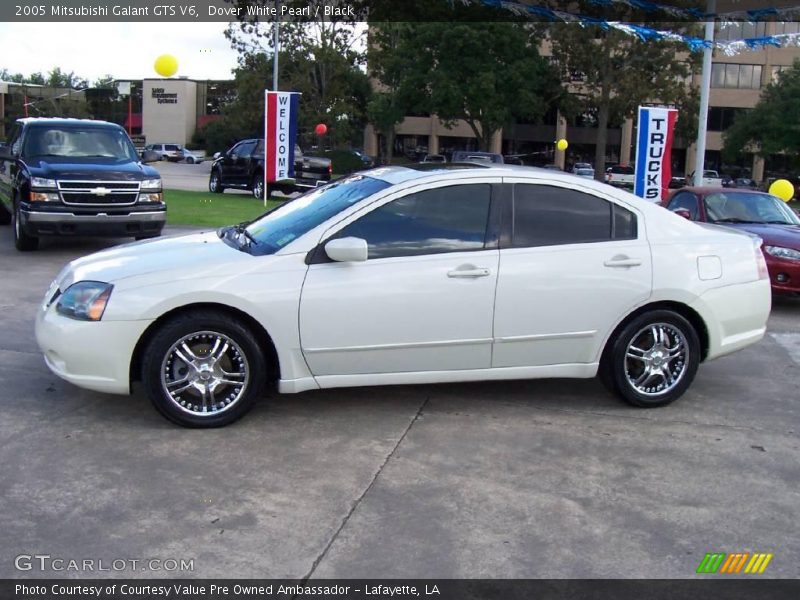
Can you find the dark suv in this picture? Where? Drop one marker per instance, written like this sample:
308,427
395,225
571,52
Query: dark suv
77,177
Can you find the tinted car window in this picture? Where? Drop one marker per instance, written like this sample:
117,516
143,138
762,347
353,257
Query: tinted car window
687,201
246,148
449,219
548,216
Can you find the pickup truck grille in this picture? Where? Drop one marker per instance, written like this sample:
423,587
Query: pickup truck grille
99,193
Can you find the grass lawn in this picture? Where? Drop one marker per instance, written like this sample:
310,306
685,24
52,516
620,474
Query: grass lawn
205,209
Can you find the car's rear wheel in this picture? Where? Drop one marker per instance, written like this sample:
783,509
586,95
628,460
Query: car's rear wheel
22,241
652,360
203,369
215,182
258,187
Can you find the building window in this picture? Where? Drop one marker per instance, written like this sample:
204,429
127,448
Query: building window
735,76
721,118
740,31
787,27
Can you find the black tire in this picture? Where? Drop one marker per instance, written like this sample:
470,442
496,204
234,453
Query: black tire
662,363
257,187
149,236
5,216
22,241
215,182
199,328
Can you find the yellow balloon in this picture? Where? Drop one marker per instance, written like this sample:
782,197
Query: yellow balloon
166,65
783,189
562,144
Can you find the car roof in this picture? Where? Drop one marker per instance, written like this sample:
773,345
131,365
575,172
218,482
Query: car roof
704,190
64,121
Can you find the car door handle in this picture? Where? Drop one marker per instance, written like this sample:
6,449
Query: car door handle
623,261
468,271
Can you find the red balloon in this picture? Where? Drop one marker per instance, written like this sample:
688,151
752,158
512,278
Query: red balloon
321,129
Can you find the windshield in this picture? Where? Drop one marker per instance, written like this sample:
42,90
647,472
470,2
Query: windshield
733,207
79,142
289,221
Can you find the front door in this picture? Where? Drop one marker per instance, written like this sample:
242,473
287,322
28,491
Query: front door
423,301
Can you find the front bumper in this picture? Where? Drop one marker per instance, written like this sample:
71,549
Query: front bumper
135,221
95,355
784,275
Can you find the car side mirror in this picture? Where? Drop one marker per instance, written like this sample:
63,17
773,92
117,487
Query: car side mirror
682,212
217,155
149,156
348,249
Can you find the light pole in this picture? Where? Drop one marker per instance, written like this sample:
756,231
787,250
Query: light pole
705,87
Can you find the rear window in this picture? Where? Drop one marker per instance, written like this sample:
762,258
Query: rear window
622,170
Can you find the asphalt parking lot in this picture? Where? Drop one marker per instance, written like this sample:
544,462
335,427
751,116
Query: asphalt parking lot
533,479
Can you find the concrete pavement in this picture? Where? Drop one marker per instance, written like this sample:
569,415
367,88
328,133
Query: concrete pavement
508,479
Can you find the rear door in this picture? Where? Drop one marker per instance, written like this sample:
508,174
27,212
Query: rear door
572,263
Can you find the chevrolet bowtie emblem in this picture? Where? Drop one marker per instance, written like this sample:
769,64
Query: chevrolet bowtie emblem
100,191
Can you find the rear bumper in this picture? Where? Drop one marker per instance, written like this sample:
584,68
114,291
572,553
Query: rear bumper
735,315
112,224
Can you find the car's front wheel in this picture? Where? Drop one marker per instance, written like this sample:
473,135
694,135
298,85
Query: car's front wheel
652,360
22,241
215,182
203,369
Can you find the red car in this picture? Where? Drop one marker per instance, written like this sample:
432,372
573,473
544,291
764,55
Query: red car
759,213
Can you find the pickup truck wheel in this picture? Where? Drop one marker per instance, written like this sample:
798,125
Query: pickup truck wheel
22,241
203,369
258,187
215,183
652,360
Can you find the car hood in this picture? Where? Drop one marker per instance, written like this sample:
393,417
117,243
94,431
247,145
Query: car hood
164,259
95,169
787,236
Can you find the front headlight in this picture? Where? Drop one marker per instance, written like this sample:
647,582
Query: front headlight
85,300
151,197
41,182
780,252
151,184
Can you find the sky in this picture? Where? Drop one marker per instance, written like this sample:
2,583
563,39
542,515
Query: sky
124,50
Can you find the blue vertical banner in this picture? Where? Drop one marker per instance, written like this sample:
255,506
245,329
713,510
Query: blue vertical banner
656,128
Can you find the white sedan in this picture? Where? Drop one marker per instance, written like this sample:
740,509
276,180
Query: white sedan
402,275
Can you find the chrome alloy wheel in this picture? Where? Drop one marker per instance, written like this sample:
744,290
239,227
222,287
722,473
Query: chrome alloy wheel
205,373
656,359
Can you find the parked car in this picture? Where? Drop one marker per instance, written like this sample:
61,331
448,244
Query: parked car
621,176
242,167
745,183
481,157
68,177
170,152
711,178
581,165
190,157
552,167
366,160
312,294
513,159
434,158
756,212
586,173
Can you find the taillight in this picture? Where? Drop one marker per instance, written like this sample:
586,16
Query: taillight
761,262
330,169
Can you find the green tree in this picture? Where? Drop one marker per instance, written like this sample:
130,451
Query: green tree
772,126
486,74
611,73
321,60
